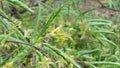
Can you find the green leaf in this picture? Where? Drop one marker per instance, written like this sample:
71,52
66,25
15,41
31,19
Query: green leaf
51,18
105,62
11,39
63,55
6,37
20,4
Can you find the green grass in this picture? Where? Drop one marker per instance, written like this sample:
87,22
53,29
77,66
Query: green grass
66,36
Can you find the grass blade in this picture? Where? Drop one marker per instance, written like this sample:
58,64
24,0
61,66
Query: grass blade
65,57
20,4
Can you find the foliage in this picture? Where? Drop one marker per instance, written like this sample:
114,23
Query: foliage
59,34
